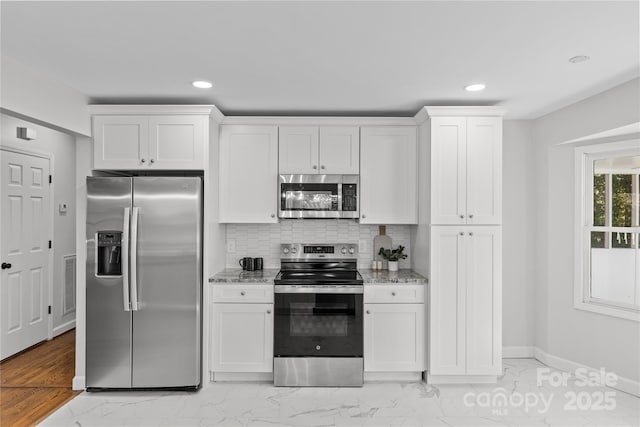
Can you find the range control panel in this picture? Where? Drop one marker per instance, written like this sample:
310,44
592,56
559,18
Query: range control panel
318,251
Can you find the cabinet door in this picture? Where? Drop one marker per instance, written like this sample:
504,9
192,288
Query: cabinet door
248,174
120,142
393,337
298,149
388,156
448,170
242,338
484,170
340,150
177,142
484,300
447,301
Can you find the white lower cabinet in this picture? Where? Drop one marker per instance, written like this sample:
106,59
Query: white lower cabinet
242,338
394,334
465,301
394,337
242,329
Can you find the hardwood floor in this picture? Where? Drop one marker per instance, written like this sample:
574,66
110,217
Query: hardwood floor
36,382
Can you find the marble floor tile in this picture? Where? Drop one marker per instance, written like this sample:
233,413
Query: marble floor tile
415,404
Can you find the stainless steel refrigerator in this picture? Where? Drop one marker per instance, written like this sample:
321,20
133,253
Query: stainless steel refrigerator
144,282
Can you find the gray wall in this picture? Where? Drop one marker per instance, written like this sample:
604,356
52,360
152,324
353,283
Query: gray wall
561,330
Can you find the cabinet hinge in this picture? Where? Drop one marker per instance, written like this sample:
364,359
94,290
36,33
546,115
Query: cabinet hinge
49,309
50,179
50,244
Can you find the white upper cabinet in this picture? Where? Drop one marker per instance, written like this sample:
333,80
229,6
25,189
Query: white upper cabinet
160,142
120,142
466,170
248,174
340,150
322,150
465,302
298,149
177,142
388,180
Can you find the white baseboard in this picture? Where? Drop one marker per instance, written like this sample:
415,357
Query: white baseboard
61,329
518,352
623,384
243,376
393,376
462,379
78,383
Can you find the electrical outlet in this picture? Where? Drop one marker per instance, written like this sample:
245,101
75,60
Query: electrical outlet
231,246
363,246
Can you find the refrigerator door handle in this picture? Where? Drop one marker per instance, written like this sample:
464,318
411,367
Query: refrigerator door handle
125,260
134,261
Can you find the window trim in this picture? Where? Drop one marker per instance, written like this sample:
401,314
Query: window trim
584,218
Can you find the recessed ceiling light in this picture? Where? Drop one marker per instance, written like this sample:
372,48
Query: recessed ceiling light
474,87
201,84
579,58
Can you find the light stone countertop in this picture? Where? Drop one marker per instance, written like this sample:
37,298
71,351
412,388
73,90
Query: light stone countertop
385,277
237,275
370,277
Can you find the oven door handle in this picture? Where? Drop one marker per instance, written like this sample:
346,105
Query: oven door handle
318,289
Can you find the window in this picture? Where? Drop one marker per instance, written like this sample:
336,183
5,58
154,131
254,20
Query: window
608,234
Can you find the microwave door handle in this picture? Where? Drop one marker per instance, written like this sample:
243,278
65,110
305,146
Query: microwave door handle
134,261
124,259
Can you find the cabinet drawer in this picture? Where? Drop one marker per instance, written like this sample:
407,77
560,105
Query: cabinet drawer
394,294
243,293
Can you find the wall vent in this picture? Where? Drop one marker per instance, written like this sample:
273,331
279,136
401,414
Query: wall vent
69,297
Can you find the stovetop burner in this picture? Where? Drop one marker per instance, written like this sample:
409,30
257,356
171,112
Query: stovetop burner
318,277
321,264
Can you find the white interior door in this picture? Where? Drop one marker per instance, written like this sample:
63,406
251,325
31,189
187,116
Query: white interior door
24,251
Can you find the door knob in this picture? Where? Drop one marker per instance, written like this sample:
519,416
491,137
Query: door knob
5,265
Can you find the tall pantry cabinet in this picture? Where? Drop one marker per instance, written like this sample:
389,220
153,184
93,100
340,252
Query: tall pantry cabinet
465,235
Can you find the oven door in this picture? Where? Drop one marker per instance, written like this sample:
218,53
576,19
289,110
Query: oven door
312,323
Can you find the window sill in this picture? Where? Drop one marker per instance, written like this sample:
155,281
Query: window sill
607,310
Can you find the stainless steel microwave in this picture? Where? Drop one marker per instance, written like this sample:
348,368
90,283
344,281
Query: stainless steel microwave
319,196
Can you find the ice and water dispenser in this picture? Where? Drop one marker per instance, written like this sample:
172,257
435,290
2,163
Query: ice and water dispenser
109,262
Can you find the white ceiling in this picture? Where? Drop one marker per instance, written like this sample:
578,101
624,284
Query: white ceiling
329,57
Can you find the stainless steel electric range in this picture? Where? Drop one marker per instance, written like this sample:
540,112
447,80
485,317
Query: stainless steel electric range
318,324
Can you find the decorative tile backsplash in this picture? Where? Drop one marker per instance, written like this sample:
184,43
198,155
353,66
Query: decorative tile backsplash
263,240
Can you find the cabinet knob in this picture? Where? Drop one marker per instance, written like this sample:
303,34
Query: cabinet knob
242,293
363,216
461,216
142,160
393,294
315,167
462,233
470,215
151,161
368,312
322,167
470,234
268,311
273,215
